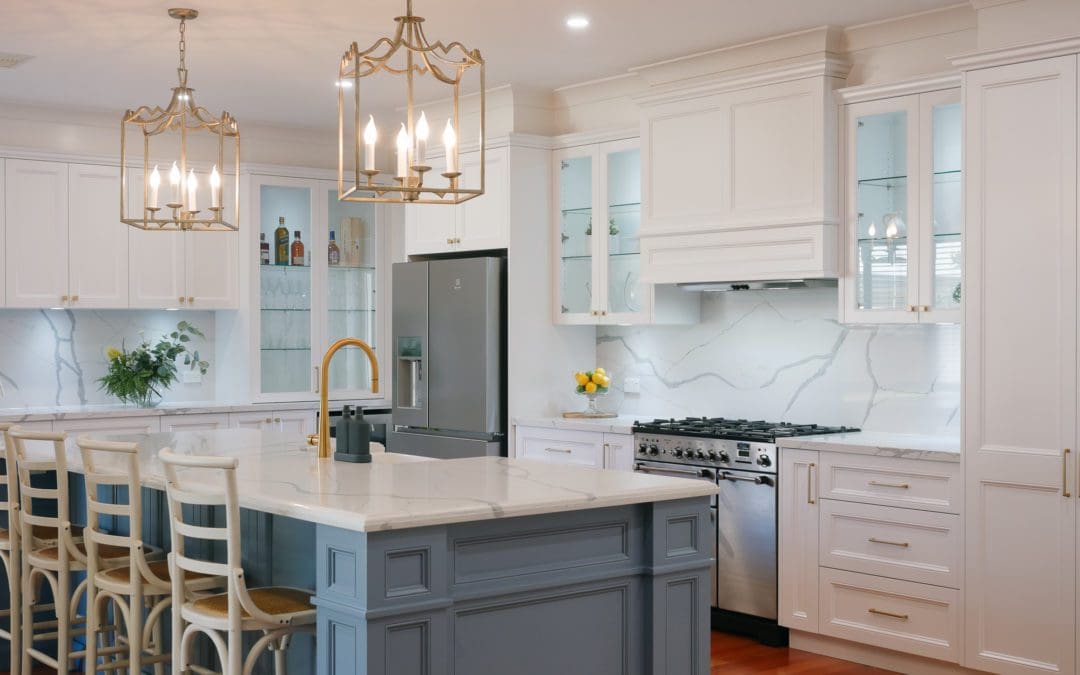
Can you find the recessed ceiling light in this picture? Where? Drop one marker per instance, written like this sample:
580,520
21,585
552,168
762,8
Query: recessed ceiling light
577,22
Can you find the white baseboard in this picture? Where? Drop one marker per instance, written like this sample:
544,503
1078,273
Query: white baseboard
873,656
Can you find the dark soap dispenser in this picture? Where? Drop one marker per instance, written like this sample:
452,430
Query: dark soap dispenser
358,431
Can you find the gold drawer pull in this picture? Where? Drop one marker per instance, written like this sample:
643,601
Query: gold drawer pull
810,483
877,483
1065,473
563,450
902,544
881,612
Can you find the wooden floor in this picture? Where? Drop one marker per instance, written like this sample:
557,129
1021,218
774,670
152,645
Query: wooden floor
732,655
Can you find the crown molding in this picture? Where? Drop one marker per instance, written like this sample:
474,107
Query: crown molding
915,85
1017,53
579,138
827,66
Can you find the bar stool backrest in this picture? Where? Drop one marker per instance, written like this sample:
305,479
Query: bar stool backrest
41,506
107,466
9,482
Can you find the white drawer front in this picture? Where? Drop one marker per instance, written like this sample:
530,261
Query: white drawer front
557,445
932,486
906,544
900,615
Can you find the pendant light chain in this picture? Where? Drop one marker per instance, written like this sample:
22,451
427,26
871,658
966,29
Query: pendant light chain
183,54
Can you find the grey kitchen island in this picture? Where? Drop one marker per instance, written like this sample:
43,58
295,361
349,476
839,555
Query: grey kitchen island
477,566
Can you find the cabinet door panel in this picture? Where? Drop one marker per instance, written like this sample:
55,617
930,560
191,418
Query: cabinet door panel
798,540
430,228
619,452
207,422
485,221
156,272
577,203
1020,383
36,237
211,262
261,421
295,422
97,240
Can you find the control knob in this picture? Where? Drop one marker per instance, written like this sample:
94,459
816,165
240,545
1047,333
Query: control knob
677,452
642,448
763,460
653,450
700,454
724,457
713,456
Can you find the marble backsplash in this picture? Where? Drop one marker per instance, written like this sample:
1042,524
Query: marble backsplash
782,355
55,357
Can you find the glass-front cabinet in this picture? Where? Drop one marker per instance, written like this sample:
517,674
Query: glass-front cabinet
903,210
319,268
598,218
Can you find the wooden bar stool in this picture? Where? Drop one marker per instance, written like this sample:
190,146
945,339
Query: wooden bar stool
51,563
278,612
143,583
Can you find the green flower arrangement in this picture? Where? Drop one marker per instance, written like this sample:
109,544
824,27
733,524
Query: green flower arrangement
141,375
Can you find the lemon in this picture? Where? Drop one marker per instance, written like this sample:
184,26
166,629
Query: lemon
598,378
581,378
590,388
605,381
601,371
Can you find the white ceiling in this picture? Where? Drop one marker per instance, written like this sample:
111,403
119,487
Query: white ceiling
276,60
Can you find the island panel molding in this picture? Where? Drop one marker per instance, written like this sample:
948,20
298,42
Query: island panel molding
469,597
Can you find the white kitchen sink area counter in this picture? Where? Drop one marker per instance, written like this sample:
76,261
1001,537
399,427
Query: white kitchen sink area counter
881,444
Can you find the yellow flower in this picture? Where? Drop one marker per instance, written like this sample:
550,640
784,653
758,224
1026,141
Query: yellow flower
113,353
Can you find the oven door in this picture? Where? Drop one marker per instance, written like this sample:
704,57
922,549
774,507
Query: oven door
694,473
746,537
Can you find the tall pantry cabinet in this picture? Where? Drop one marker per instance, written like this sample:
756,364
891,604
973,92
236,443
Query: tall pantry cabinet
1020,361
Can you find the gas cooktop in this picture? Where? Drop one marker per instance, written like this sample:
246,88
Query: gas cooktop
758,431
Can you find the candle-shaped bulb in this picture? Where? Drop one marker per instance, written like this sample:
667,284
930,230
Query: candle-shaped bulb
422,132
403,152
449,138
192,191
891,230
174,184
371,135
872,230
155,184
215,188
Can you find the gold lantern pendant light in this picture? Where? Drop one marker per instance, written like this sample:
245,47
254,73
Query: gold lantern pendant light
417,178
195,142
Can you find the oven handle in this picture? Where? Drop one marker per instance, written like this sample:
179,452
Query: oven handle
756,480
696,473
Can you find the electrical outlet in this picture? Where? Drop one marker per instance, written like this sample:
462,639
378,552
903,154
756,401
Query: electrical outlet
191,376
632,385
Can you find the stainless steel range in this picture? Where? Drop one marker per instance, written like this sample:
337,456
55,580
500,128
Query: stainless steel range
741,457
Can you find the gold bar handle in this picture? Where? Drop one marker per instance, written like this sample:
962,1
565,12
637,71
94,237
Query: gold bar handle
1065,474
881,612
562,450
877,483
902,544
810,483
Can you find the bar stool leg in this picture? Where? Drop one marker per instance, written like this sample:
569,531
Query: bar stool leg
135,629
63,628
279,647
158,650
28,625
93,625
12,566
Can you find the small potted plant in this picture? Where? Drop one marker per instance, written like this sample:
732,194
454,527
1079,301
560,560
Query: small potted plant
141,375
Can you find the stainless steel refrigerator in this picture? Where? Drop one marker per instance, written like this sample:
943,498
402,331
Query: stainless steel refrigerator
449,338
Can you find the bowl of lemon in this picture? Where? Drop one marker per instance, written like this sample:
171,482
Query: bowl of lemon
591,384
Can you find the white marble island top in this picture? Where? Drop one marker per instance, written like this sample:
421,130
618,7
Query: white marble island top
279,474
881,444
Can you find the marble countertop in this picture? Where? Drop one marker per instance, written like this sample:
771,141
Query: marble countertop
611,425
881,444
53,413
279,474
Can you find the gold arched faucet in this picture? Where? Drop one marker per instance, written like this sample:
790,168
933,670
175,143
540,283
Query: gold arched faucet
323,438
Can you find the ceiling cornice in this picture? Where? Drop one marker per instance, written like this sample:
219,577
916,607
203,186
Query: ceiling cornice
915,85
1016,53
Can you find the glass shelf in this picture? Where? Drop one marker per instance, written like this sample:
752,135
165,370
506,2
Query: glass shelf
351,268
885,182
284,267
610,255
612,208
284,349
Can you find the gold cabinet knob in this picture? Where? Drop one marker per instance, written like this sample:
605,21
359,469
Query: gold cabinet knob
924,308
449,240
63,298
74,298
181,299
191,300
911,308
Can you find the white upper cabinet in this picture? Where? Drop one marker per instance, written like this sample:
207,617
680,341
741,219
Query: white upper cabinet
596,233
97,240
726,163
36,236
65,244
479,224
903,214
1020,365
3,240
197,270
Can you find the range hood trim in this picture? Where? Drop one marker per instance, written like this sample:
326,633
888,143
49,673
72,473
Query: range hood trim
757,285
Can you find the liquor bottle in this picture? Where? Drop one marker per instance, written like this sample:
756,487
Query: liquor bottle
281,243
264,249
334,253
297,250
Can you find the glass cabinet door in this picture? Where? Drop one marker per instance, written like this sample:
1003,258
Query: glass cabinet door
625,294
943,207
351,256
576,298
882,204
285,286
